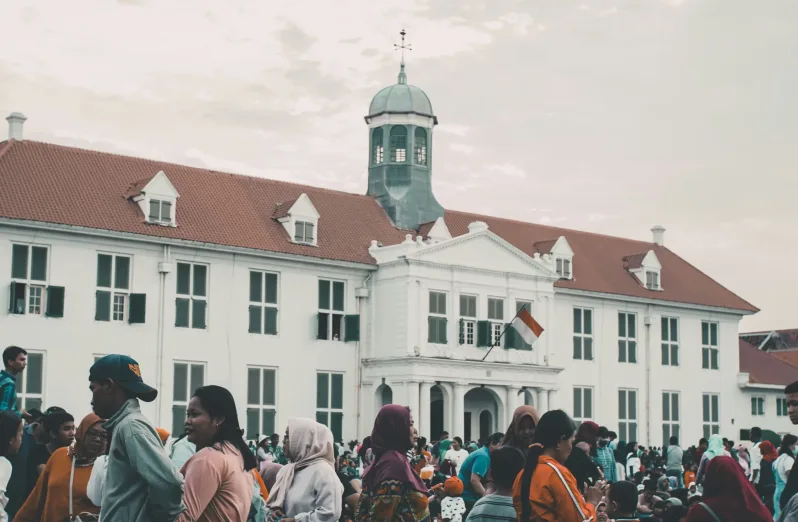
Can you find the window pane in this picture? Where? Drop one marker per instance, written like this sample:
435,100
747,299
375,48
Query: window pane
269,393
324,295
34,373
632,351
183,278
622,404
38,268
322,390
19,261
577,347
181,312
155,209
178,420
705,358
713,331
255,287
336,425
321,417
705,333
255,314
200,280
588,321
309,232
621,351
253,385
337,323
299,231
588,346
621,325
577,320
338,296
578,402
270,321
675,406
675,355
271,288
180,384
198,307
665,354
588,409
714,359
253,422
197,377
337,391
632,406
323,326
674,330
666,407
664,328
122,275
104,264
715,408
268,421
166,211
630,318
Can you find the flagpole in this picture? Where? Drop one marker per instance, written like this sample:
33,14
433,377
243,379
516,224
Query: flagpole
506,326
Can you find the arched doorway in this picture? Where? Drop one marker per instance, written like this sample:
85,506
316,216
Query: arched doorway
384,396
529,397
436,412
482,407
485,425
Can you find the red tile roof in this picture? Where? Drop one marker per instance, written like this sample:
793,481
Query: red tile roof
634,261
788,356
57,184
544,247
764,368
774,339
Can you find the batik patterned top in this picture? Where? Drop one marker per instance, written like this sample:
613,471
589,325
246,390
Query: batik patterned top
392,501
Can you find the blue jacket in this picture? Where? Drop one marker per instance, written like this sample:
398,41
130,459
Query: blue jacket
8,392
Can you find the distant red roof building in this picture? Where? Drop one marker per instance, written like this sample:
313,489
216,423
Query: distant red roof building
773,340
764,368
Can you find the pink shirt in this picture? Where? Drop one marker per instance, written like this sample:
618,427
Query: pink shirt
217,489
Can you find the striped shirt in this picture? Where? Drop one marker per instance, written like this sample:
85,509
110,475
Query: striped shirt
493,508
605,459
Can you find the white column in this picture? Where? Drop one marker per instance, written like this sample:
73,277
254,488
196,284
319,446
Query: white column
511,403
412,400
552,399
543,401
551,331
458,411
367,408
423,421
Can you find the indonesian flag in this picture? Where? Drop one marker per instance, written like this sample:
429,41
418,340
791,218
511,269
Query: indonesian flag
527,327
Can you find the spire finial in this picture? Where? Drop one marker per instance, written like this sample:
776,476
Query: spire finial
402,46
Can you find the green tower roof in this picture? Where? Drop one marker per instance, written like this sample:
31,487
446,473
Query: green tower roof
401,98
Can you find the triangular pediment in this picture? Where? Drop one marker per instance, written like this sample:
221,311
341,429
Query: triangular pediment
303,208
651,262
160,187
483,251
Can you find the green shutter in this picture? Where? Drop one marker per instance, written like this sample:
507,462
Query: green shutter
122,274
104,267
19,261
337,395
271,288
255,287
443,330
16,298
198,307
270,321
511,338
483,334
183,278
102,308
254,319
321,325
338,296
705,358
322,390
38,265
181,312
200,283
55,301
336,426
714,359
351,328
431,330
324,294
461,334
138,309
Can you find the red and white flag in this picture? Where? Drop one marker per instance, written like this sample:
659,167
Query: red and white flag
527,327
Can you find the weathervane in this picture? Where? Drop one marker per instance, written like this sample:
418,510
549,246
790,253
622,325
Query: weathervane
403,46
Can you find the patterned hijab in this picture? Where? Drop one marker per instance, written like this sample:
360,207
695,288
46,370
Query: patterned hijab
390,439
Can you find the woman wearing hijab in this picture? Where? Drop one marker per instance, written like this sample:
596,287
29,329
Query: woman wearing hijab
579,463
392,491
54,499
728,496
744,460
522,429
308,486
714,449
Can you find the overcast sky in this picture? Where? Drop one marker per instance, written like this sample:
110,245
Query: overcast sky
602,115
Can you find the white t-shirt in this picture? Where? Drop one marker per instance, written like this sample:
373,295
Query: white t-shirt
783,465
453,508
756,461
5,476
456,456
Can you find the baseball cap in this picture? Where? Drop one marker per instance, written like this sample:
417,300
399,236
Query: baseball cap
124,370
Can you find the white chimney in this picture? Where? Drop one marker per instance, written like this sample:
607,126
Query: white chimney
659,235
15,122
477,226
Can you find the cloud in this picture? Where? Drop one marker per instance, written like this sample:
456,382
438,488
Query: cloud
518,23
507,169
453,129
462,148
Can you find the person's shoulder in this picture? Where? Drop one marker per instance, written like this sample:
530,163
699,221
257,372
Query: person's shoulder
5,467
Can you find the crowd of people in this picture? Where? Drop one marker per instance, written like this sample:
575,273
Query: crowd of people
114,465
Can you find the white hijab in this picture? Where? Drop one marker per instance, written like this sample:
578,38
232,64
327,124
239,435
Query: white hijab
309,442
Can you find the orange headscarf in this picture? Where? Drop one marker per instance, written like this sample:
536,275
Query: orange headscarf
512,438
83,430
768,451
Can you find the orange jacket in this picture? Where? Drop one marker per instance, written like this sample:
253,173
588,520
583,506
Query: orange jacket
549,499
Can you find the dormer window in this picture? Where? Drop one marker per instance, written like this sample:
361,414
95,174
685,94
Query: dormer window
646,268
160,212
652,280
304,232
564,268
558,256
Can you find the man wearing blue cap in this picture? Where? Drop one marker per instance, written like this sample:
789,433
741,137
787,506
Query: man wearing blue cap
141,485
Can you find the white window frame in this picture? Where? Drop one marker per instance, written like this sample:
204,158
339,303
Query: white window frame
22,384
709,348
35,289
496,319
263,304
757,406
583,338
625,341
190,295
781,407
330,311
329,410
671,422
304,238
260,406
711,426
469,320
580,415
668,345
652,279
160,219
441,315
628,418
563,267
120,297
189,392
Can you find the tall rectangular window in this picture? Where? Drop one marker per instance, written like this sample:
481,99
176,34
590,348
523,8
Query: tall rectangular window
468,319
30,383
188,376
710,406
436,321
29,279
496,318
583,403
670,416
330,402
304,232
583,334
627,414
670,341
191,305
563,268
757,406
709,345
263,302
627,337
332,300
113,287
160,211
781,407
261,401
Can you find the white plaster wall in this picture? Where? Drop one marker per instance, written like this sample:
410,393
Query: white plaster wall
745,420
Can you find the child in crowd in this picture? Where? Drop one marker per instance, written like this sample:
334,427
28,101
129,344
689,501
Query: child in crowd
621,503
505,465
689,475
452,506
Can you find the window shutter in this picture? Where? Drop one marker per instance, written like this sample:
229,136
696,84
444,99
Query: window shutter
510,337
198,307
181,312
55,301
483,334
270,321
254,319
431,329
102,309
714,359
352,328
443,324
138,309
462,332
321,330
16,298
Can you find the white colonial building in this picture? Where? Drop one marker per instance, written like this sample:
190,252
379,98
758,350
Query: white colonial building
311,302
